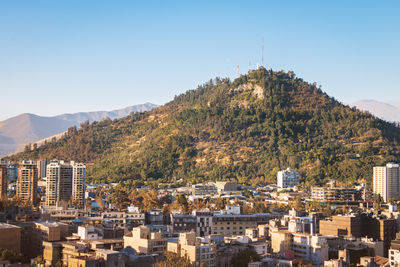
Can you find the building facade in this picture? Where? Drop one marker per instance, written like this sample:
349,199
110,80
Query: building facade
336,194
342,225
183,223
288,178
204,222
27,182
199,251
386,181
65,182
12,172
144,241
78,183
233,224
204,189
59,183
3,179
10,237
47,231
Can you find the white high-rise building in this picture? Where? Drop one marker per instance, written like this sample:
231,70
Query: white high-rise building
65,182
288,178
59,183
386,181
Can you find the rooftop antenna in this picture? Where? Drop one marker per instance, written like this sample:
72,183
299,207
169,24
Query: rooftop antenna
237,70
262,51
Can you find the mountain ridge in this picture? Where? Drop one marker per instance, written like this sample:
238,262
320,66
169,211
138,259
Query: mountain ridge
384,110
26,128
245,130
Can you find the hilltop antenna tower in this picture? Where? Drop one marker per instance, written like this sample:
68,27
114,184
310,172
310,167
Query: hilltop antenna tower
262,51
249,66
237,70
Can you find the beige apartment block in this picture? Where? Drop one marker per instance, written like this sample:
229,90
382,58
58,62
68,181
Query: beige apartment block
47,231
233,225
199,251
144,241
27,182
281,241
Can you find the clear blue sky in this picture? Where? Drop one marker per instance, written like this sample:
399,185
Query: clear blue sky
70,56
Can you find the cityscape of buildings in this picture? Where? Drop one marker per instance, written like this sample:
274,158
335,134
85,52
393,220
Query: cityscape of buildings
51,217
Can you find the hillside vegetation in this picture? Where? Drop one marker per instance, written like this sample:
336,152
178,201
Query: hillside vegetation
244,130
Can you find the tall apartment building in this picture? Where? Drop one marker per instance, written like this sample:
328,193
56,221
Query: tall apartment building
288,178
59,183
27,182
78,183
12,172
3,179
65,182
42,168
387,181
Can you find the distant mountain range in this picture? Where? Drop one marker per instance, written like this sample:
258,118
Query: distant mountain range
18,131
387,111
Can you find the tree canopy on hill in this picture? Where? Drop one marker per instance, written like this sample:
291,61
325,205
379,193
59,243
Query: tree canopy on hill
244,130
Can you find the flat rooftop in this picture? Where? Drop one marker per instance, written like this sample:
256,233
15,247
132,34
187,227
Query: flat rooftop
7,226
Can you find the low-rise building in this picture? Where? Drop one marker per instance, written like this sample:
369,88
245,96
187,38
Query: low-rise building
394,252
156,217
233,224
115,218
88,233
10,237
342,225
134,218
47,231
208,189
288,178
204,222
199,251
336,194
312,248
226,187
144,241
183,223
281,241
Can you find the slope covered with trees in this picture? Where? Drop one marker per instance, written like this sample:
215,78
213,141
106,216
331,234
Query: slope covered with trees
244,130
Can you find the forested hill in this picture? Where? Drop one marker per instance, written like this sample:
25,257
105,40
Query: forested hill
246,129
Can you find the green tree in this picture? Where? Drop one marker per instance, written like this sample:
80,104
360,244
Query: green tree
173,260
298,204
243,258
